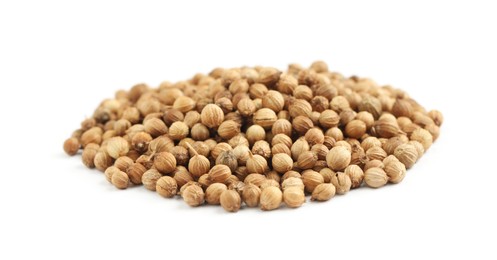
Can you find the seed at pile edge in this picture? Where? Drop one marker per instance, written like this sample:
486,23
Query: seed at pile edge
304,130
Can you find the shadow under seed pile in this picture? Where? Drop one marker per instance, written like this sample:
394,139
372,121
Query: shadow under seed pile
257,136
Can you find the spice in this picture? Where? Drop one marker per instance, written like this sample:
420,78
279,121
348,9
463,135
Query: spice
256,164
323,192
407,154
212,116
355,174
293,197
71,146
213,193
230,200
88,155
165,162
342,182
219,173
311,179
257,136
198,164
375,177
149,179
271,198
338,158
193,195
282,162
166,186
120,180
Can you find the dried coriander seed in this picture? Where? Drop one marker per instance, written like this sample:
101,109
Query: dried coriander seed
166,186
230,200
71,146
257,135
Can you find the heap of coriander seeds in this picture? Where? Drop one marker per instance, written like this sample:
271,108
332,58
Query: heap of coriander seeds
257,137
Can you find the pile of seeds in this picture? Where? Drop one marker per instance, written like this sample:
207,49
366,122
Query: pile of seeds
257,136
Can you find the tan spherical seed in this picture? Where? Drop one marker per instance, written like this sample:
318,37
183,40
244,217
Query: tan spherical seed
356,175
282,126
140,141
93,135
166,186
213,193
294,182
135,173
300,107
88,155
155,127
271,198
329,119
178,131
212,116
314,136
229,159
120,180
219,173
419,148
149,179
117,147
238,140
311,179
342,182
436,116
191,118
184,104
402,107
307,160
373,164
327,173
198,164
246,107
376,153
422,136
273,100
338,158
251,195
355,129
293,197
396,171
102,161
262,148
256,164
407,154
265,117
255,178
71,146
182,176
165,162
161,144
123,163
369,142
367,118
255,133
109,172
193,195
300,146
282,162
386,128
323,192
228,129
230,200
375,177
390,159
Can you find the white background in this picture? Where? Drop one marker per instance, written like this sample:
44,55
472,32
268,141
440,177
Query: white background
59,59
